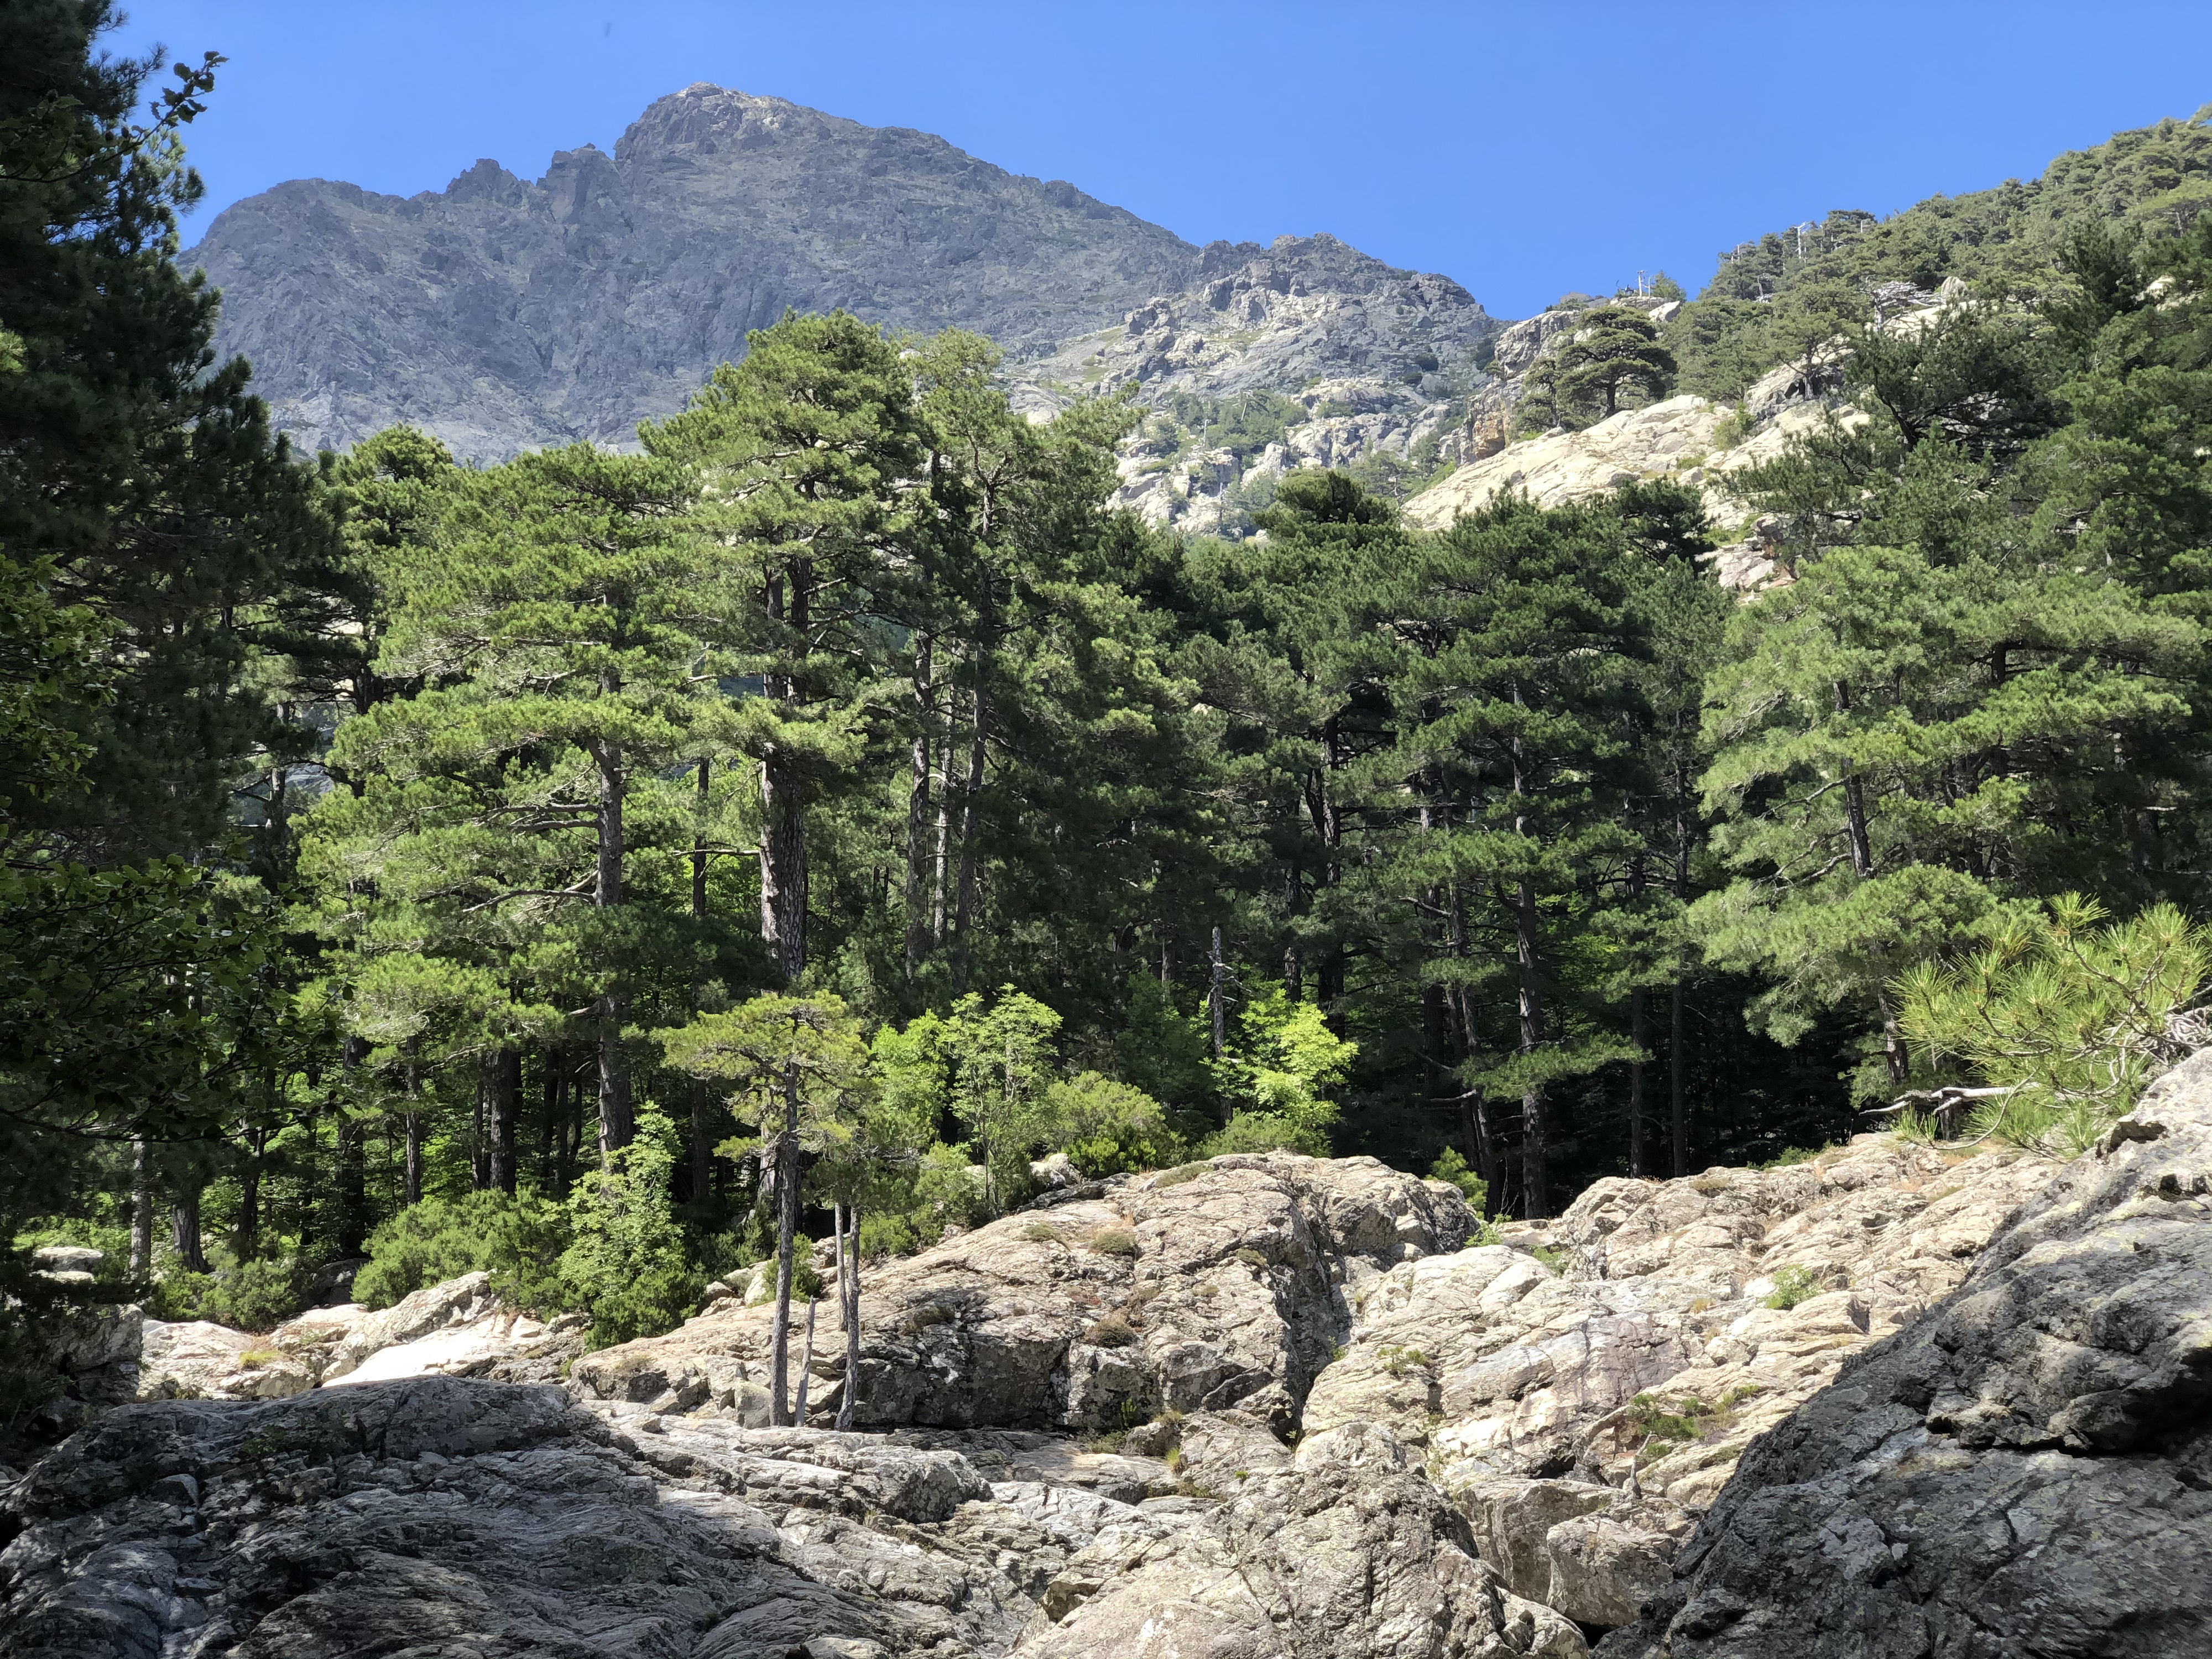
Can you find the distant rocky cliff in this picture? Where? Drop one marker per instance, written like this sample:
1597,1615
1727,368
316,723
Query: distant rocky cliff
504,314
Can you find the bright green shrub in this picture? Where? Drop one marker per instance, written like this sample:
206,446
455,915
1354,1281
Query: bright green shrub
1451,1167
625,1259
1106,1127
1266,1132
517,1239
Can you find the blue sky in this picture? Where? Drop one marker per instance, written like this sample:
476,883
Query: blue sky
1524,150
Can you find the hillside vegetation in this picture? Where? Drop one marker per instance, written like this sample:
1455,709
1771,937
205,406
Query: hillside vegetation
608,869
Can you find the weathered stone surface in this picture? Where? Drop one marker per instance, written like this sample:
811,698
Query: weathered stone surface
1372,354
456,1328
1346,1552
1227,1288
1593,1553
187,1359
448,1517
2027,1468
1647,1353
1676,439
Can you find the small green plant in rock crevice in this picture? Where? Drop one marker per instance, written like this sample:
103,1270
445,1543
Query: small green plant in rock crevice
1792,1284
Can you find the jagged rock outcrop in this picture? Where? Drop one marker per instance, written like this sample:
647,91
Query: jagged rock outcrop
1583,1410
1284,317
1677,439
1373,356
451,1515
503,314
1343,1551
460,1327
1217,1284
2027,1470
1910,1424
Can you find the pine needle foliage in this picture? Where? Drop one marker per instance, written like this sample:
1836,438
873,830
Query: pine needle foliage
2070,1014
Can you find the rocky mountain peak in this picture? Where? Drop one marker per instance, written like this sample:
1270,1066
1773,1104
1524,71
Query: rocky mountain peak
505,314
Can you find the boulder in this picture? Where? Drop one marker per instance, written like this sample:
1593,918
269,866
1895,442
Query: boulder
1593,1553
1214,1285
457,1328
2025,1468
496,1520
1343,1551
68,1263
187,1359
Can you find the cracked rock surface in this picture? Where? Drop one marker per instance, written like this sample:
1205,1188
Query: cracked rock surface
1225,1284
2026,1470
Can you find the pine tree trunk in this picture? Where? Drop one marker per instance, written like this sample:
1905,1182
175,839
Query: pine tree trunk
554,1137
917,811
1537,1201
1855,816
506,1107
479,1129
247,1231
142,1208
699,853
1678,1100
970,808
805,1364
787,1232
1216,1008
701,1152
782,870
351,1230
411,1129
1637,1034
849,1280
783,873
618,1128
185,1229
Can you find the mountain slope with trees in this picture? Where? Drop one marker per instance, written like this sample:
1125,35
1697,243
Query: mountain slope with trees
609,870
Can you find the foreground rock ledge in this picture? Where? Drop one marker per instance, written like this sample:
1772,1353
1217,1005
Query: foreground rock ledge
2026,1470
449,1516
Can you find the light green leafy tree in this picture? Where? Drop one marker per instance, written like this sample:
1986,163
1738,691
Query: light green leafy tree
1280,1077
1002,1060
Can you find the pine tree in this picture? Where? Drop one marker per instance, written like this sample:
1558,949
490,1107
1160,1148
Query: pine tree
1614,349
567,627
1899,744
801,1068
807,448
1510,680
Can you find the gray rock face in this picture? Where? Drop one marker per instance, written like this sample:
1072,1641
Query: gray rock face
1343,1552
505,315
1227,1287
442,1515
2026,1470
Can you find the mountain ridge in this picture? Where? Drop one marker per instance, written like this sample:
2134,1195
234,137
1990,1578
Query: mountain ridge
505,314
